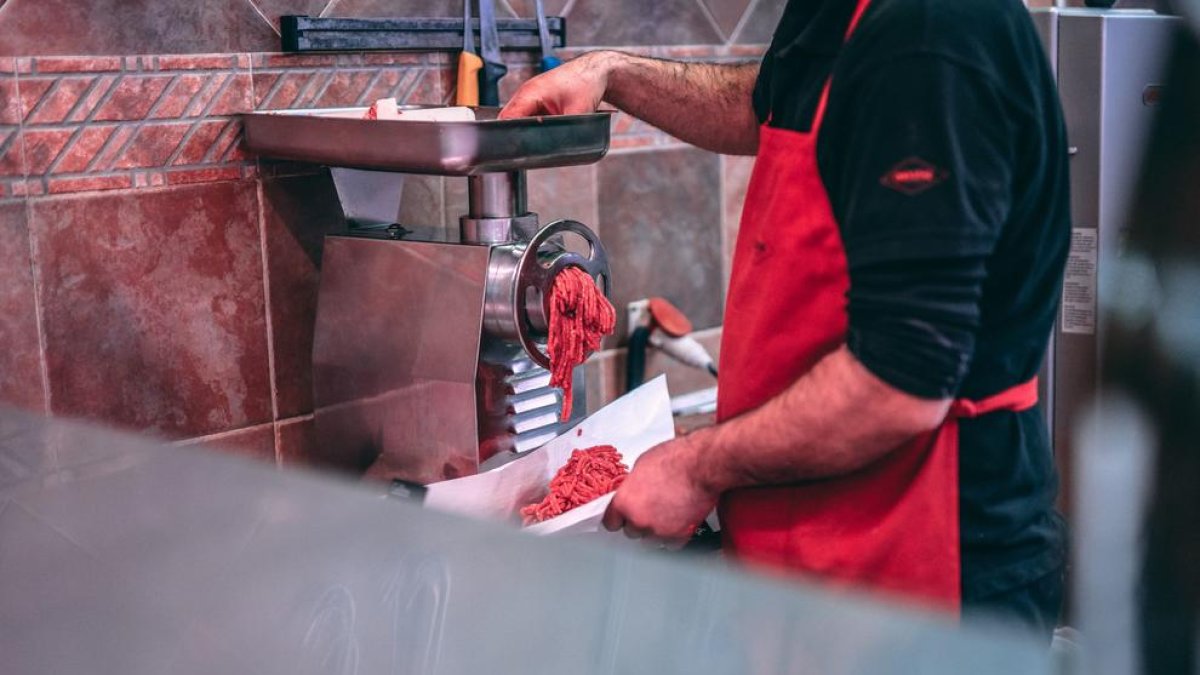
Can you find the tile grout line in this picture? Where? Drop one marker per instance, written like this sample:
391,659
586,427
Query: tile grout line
220,435
42,101
87,120
265,18
196,104
722,198
158,102
275,87
193,129
226,155
654,147
230,77
35,272
329,8
404,89
35,267
361,100
270,332
331,77
741,24
298,102
83,98
222,141
712,21
652,50
276,442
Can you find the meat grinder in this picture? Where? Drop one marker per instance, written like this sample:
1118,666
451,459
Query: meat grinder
428,357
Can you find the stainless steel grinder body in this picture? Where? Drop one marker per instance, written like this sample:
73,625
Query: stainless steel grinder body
427,357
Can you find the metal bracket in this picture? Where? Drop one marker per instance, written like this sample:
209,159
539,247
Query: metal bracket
309,34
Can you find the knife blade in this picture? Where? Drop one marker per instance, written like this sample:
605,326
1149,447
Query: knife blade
489,48
549,60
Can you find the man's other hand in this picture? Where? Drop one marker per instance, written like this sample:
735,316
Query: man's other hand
661,498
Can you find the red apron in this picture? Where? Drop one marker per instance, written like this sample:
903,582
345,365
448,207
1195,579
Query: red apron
891,526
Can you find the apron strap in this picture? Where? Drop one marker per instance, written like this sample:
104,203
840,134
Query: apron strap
820,116
1021,397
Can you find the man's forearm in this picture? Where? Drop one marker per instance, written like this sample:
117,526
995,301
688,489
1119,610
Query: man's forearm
708,105
835,420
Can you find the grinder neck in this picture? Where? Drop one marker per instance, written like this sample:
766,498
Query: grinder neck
497,209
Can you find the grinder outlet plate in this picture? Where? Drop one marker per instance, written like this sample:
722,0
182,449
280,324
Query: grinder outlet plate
341,137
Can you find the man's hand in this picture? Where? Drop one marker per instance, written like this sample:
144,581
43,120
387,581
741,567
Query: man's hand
661,497
706,104
574,88
836,419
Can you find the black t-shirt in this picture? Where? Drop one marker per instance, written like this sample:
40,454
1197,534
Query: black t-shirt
944,154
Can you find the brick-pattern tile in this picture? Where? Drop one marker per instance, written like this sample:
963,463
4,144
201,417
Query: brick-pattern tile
12,161
102,27
297,213
257,443
153,307
20,358
111,123
283,82
630,133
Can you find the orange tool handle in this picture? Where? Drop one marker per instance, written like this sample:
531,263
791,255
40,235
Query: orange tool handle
468,79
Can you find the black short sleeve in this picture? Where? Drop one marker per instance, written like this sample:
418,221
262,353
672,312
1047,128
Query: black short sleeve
921,186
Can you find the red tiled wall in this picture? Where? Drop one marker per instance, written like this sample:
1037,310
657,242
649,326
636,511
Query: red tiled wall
155,277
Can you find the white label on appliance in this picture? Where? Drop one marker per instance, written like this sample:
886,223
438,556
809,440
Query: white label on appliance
1079,283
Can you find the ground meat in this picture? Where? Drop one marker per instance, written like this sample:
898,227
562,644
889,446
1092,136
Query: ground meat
580,316
588,475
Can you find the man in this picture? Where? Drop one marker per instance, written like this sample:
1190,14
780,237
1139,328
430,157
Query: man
895,281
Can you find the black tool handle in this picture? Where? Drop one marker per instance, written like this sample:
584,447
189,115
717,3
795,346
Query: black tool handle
407,491
635,359
489,82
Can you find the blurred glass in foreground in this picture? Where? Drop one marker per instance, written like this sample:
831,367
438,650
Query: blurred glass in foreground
120,556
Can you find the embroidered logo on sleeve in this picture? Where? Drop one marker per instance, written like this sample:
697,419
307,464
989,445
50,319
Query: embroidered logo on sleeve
913,176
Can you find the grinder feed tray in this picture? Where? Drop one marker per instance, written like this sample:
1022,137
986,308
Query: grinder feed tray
341,137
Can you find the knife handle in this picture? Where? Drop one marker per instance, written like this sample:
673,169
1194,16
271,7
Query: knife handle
489,82
550,63
469,66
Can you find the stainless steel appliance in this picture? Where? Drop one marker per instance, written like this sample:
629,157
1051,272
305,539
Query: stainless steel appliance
428,354
1109,66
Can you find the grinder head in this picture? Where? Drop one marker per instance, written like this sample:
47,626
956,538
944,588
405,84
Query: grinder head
520,278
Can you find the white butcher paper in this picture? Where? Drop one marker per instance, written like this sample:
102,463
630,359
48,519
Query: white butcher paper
453,114
387,110
632,424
